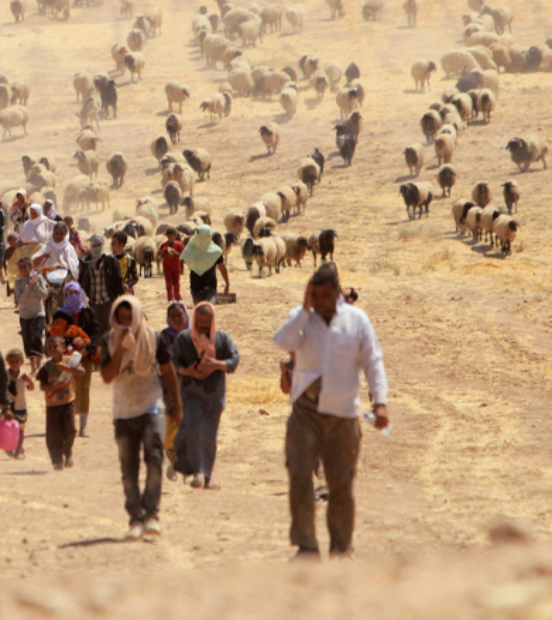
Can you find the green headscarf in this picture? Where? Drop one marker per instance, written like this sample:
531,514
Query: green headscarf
202,252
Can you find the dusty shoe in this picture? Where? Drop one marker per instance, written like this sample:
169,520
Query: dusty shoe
135,531
152,528
58,467
197,482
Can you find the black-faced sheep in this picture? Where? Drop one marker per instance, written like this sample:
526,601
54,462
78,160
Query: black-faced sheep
270,135
217,105
135,63
346,143
320,160
512,195
108,94
458,209
431,122
309,173
505,229
352,72
416,195
346,100
525,151
145,250
234,223
296,248
322,242
176,92
471,219
488,217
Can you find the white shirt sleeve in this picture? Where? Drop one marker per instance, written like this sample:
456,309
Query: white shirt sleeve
289,335
371,362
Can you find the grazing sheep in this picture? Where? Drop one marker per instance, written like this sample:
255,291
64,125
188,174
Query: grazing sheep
309,173
17,8
200,161
288,98
486,103
145,250
117,167
322,242
482,194
233,18
308,65
296,248
173,196
458,209
176,92
372,9
525,151
302,196
262,224
455,61
234,223
83,84
214,46
97,191
421,72
136,40
249,31
16,116
271,16
411,10
505,229
512,195
160,146
218,104
501,56
87,162
414,156
135,63
20,92
319,83
346,100
334,71
502,18
444,148
155,18
488,217
229,55
484,57
295,15
486,39
270,135
431,122
416,195
273,82
118,53
447,178
241,81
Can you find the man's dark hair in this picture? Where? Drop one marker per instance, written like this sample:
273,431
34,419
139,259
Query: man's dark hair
326,275
171,231
121,236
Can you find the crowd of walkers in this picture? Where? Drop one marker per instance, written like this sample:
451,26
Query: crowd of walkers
169,387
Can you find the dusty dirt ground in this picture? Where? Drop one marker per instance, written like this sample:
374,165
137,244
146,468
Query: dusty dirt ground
466,334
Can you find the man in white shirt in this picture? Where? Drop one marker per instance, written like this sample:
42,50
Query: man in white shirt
333,342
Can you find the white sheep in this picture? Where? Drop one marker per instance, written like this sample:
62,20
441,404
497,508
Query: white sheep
173,125
74,192
346,100
241,81
486,39
525,151
411,9
98,192
336,9
464,104
334,71
459,208
455,61
488,217
319,83
263,223
218,104
288,98
177,92
473,222
87,162
302,196
270,135
10,118
118,53
145,249
421,71
20,92
272,203
289,201
234,223
83,83
135,63
295,15
505,229
271,16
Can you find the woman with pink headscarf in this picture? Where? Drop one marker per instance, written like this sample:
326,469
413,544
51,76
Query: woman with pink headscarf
202,357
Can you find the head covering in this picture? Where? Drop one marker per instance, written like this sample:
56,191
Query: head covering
170,329
52,213
202,252
35,230
95,252
140,341
73,303
204,345
21,192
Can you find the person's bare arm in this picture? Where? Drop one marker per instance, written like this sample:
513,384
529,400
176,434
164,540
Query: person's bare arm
167,370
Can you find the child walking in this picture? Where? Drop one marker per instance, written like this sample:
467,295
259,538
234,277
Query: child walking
126,262
171,250
57,383
30,293
18,383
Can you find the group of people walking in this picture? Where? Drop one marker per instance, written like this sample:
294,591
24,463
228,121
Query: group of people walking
169,387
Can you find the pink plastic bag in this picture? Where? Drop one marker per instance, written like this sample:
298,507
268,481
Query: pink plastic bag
9,435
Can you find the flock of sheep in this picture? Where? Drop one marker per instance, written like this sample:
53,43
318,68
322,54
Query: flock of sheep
478,65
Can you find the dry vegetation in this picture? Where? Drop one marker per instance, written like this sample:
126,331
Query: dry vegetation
466,333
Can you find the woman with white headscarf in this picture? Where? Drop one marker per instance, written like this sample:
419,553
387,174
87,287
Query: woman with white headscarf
49,210
38,228
58,253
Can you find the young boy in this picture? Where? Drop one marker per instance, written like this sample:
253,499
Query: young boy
18,383
30,293
60,403
126,262
74,236
171,250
